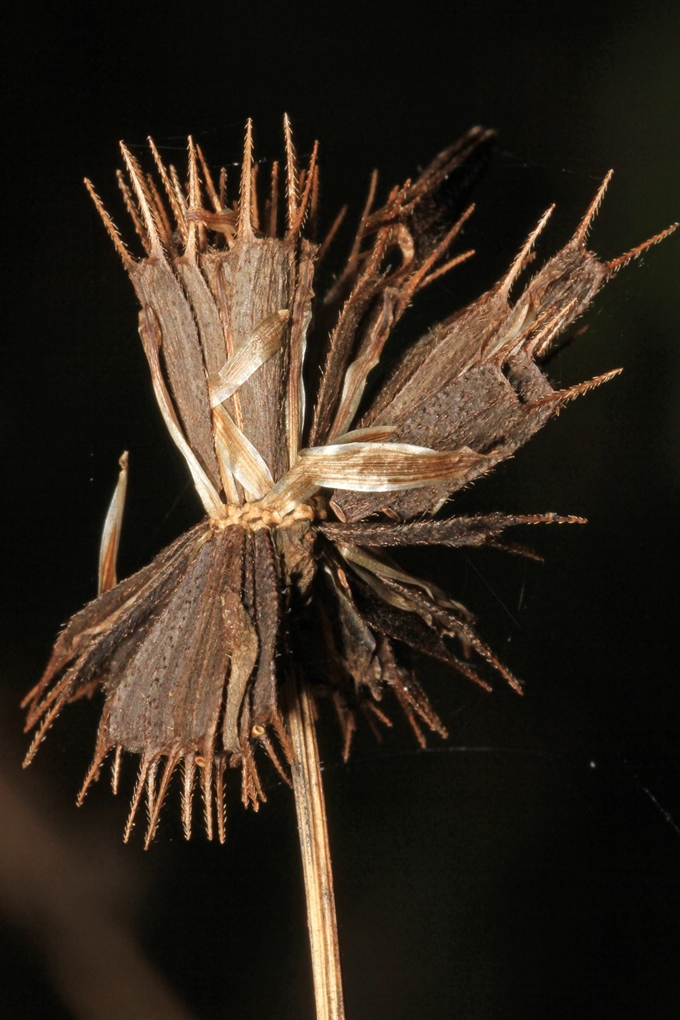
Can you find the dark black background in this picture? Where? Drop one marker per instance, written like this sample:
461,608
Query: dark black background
531,865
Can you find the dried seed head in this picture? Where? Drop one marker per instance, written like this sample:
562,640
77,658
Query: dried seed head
266,401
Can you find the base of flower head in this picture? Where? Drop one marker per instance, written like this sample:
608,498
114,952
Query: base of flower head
255,516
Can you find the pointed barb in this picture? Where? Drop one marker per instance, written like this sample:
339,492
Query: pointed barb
207,177
347,722
368,204
158,799
170,189
220,806
206,787
100,754
328,239
194,202
470,674
282,736
189,767
524,255
269,748
181,202
618,263
110,226
483,649
314,203
370,708
245,222
291,174
151,786
446,267
115,770
562,397
133,212
136,797
350,729
581,234
46,724
144,200
162,221
254,206
251,789
538,337
410,715
306,194
423,272
41,707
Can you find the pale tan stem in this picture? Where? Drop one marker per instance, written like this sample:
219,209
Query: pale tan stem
316,858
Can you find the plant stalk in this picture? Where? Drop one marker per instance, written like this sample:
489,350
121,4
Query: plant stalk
316,859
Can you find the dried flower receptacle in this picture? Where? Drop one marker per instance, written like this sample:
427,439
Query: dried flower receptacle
305,479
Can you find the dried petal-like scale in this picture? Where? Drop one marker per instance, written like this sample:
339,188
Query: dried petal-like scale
263,391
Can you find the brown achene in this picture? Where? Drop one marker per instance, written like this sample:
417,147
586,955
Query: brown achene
306,476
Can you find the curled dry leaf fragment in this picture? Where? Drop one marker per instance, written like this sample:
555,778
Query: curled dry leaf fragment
305,474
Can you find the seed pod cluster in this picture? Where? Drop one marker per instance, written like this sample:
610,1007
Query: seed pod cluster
307,476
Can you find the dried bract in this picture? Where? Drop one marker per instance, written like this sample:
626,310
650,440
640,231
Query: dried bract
305,478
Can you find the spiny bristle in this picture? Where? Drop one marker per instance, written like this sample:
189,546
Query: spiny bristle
156,804
524,254
282,736
564,396
291,174
314,204
132,212
423,273
365,213
46,724
266,742
150,797
307,192
182,220
347,722
212,767
252,794
220,806
538,335
407,707
159,206
328,239
196,238
170,188
145,202
446,267
111,228
208,181
207,759
622,260
189,768
39,708
115,770
245,224
581,234
254,206
102,750
136,797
